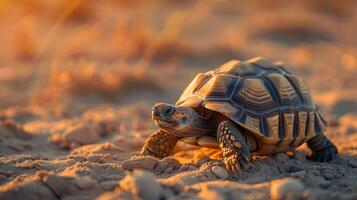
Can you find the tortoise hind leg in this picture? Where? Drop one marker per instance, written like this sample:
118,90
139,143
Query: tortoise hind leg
322,148
235,146
159,144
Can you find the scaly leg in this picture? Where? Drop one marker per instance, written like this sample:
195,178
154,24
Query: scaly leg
322,148
159,144
236,146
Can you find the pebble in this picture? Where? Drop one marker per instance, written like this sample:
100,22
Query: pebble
57,184
81,134
282,188
171,162
203,160
108,185
328,176
315,172
140,162
92,158
328,173
167,165
142,184
220,172
85,183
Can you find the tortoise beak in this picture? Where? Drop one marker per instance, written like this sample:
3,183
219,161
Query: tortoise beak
155,112
162,110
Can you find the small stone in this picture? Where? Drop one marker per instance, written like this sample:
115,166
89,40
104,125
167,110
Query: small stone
329,173
142,184
81,134
203,160
170,162
283,188
85,183
220,172
140,162
57,184
328,176
92,158
315,172
109,185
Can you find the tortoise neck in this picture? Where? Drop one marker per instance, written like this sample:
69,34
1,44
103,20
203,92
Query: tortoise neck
201,125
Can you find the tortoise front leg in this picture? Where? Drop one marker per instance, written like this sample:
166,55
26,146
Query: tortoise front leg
234,145
159,144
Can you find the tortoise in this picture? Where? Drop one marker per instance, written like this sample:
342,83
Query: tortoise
244,108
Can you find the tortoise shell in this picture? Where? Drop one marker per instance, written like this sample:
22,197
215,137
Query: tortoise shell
264,98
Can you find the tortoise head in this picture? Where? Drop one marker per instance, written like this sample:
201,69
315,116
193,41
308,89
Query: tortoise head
170,117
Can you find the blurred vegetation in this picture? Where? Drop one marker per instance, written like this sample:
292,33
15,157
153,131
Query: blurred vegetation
55,50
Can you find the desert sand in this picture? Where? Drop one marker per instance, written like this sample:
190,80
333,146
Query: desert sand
78,79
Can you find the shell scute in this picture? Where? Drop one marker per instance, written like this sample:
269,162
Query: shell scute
236,68
219,86
261,62
196,83
254,95
286,92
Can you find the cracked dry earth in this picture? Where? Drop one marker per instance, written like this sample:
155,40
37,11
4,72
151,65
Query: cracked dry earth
94,156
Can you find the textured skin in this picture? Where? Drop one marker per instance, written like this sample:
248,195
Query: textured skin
235,145
322,148
159,144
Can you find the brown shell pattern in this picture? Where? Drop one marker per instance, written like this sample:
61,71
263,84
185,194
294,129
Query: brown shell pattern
261,96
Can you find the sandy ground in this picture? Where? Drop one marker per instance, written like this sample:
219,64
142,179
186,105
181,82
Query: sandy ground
78,79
